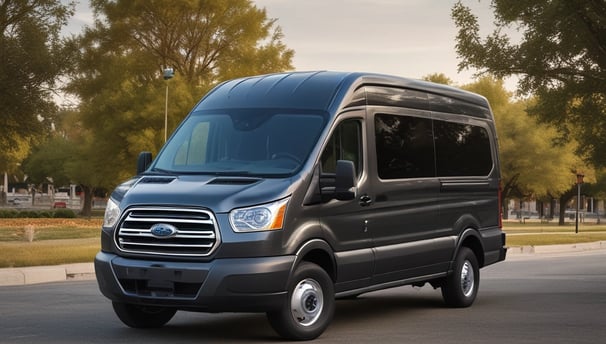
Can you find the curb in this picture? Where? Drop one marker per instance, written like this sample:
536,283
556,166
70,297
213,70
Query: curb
46,274
547,249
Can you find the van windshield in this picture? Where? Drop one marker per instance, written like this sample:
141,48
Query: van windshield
242,142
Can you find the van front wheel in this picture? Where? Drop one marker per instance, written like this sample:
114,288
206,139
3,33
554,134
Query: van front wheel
461,286
310,306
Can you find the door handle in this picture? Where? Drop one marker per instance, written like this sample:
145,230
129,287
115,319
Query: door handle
365,200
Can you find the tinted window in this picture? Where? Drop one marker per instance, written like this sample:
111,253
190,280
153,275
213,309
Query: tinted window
462,150
344,144
404,147
242,142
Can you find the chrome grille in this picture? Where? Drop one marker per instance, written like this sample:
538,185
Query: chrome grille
196,232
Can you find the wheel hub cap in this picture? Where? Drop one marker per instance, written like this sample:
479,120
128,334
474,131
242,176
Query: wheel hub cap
467,279
307,302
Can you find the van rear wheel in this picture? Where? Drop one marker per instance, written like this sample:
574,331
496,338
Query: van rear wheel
461,286
143,316
310,306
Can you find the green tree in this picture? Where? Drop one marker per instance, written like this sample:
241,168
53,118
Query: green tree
533,163
45,164
65,158
118,72
32,58
439,78
560,58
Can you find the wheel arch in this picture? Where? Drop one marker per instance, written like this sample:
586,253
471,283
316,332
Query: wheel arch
470,237
474,243
319,252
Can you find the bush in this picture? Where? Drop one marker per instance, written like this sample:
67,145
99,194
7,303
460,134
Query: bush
34,214
64,214
31,214
8,213
45,214
21,214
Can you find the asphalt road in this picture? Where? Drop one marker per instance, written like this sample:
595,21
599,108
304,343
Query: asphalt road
527,299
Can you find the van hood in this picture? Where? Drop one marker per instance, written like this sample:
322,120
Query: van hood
217,193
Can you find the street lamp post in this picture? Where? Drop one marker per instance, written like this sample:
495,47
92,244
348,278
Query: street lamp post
167,74
579,182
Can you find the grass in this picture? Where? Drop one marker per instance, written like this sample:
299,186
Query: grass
15,230
33,242
48,252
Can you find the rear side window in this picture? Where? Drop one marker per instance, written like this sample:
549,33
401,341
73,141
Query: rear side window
462,150
404,147
417,147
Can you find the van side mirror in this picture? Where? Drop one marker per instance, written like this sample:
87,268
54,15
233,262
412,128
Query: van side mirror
339,185
143,161
345,179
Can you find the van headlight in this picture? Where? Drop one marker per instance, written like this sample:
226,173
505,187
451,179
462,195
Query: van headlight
112,213
265,217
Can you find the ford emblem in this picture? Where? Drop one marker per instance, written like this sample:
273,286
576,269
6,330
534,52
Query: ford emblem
163,230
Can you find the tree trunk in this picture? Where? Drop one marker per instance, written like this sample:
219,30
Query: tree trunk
87,207
597,211
567,196
562,216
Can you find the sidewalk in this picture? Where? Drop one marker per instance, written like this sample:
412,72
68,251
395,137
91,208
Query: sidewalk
46,274
86,271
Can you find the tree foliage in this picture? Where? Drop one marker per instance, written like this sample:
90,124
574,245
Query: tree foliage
532,163
31,59
560,58
206,41
118,73
67,157
439,78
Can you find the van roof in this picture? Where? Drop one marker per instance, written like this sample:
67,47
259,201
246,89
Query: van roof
329,91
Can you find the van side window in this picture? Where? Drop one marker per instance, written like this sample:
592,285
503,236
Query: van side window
404,147
462,150
345,144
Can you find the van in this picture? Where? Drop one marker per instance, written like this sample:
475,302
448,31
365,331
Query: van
281,193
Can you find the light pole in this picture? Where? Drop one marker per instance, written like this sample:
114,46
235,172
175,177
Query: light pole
579,182
168,74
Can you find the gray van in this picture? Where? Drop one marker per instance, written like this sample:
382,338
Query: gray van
280,193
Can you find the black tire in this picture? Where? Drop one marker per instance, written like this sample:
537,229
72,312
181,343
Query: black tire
310,306
143,316
461,287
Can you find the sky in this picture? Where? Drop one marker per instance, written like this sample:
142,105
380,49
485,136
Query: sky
409,38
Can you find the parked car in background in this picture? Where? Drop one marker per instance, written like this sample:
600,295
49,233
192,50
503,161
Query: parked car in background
19,201
59,204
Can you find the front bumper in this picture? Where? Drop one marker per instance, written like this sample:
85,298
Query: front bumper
221,285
